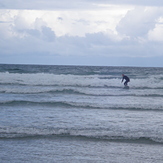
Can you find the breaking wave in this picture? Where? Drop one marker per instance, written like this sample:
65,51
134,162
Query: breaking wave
92,81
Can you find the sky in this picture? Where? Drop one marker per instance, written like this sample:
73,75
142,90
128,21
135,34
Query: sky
82,32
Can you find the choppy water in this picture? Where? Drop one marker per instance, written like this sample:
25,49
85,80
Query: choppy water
80,114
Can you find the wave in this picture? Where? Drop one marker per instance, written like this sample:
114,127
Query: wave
51,90
19,84
79,105
86,134
147,87
101,81
88,92
43,79
41,90
36,103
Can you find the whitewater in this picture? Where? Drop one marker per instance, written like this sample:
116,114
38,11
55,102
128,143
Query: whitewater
80,114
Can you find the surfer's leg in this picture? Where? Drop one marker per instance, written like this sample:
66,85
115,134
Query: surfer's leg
125,83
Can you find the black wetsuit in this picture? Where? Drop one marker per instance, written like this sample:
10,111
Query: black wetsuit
127,80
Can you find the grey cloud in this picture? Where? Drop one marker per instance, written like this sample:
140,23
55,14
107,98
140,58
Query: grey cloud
71,4
135,2
33,32
94,49
93,44
45,4
40,30
48,34
41,45
60,18
5,22
45,33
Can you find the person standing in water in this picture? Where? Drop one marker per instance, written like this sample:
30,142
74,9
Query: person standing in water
124,77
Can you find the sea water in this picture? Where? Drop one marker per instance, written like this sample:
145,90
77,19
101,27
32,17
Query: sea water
76,114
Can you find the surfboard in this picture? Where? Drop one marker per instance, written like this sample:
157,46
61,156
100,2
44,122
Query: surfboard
126,87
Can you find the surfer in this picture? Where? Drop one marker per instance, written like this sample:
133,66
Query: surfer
126,78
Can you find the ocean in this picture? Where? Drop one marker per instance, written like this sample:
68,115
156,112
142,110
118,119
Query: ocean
80,114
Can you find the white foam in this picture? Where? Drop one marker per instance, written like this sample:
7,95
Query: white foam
52,79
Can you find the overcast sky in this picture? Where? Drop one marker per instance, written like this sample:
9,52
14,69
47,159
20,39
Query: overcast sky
82,32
